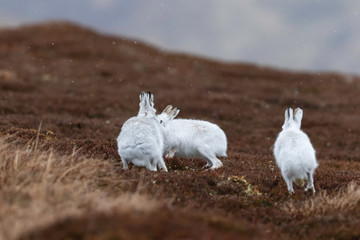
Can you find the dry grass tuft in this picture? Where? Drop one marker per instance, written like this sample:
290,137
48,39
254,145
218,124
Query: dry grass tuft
249,189
345,200
38,188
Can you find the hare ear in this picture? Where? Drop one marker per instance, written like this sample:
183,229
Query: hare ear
290,114
167,109
141,96
151,99
298,114
173,113
287,114
143,105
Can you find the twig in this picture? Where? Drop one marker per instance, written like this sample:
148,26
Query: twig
37,136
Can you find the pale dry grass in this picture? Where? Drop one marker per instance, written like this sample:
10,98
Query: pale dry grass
345,200
39,187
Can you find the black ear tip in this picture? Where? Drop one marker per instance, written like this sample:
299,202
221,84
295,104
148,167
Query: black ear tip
301,108
178,109
149,93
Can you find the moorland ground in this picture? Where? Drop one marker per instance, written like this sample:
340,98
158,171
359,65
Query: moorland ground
66,180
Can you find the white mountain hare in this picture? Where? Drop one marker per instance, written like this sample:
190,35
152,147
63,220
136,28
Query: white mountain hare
193,138
141,139
294,153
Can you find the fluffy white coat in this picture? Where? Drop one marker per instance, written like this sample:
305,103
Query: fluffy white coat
194,139
141,140
294,152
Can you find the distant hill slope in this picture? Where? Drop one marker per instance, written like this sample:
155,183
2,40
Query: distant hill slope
55,66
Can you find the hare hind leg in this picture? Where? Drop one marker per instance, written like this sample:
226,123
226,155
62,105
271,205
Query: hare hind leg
208,163
160,163
310,183
289,184
151,167
125,163
216,163
212,161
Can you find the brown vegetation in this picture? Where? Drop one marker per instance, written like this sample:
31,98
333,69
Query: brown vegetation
343,201
66,181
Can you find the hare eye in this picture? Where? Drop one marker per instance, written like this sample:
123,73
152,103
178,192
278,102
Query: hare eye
161,121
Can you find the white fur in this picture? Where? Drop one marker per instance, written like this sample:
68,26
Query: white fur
141,140
146,105
194,139
294,152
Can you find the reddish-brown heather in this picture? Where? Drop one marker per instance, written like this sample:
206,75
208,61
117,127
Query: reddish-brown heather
82,86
